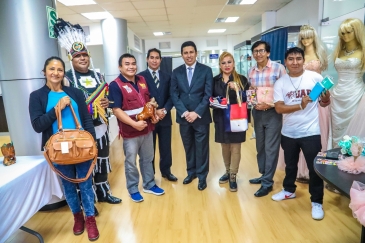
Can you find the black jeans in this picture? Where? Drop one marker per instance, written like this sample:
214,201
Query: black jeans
310,146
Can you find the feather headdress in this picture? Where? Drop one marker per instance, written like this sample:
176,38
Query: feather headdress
73,39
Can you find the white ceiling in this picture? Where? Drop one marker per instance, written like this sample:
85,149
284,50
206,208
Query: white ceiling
184,18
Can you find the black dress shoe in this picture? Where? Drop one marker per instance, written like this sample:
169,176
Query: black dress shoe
255,181
202,185
169,177
263,191
110,199
189,179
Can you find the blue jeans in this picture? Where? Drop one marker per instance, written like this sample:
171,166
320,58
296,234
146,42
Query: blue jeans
87,193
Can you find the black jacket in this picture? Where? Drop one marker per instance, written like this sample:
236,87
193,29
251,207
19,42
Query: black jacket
220,89
42,121
161,94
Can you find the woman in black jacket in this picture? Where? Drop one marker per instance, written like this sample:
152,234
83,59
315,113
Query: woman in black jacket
44,120
230,141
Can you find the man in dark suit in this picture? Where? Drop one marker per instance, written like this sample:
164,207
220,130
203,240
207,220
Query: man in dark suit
191,87
158,84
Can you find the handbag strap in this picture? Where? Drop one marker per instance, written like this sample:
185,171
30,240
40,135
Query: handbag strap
67,178
59,117
239,101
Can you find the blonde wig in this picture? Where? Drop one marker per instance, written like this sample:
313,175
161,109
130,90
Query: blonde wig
307,31
236,76
350,25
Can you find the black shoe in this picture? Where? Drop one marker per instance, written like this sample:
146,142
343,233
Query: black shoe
224,178
96,212
202,185
189,179
232,183
302,180
110,199
169,177
263,191
255,181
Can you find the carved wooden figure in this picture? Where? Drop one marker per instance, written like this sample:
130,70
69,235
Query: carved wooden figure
9,154
149,111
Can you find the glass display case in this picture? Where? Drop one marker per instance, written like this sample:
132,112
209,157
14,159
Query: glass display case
243,57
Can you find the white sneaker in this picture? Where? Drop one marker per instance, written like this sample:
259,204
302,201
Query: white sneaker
317,211
282,195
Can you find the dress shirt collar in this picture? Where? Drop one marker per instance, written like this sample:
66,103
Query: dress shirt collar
149,69
268,64
193,66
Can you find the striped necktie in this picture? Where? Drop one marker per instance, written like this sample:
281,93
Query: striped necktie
190,74
157,82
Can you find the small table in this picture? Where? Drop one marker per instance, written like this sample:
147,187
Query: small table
340,180
25,187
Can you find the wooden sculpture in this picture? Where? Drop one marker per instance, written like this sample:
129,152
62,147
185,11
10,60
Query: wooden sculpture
149,112
9,154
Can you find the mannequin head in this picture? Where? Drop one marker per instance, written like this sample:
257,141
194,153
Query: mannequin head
351,30
307,37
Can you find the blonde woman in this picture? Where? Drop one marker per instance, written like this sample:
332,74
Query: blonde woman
347,97
230,141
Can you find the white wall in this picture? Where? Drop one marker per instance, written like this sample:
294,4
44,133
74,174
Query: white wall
200,43
251,32
299,12
96,37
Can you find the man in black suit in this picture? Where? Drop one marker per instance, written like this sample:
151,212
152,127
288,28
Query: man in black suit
191,87
158,83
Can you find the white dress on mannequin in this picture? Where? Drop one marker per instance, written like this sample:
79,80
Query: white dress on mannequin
345,99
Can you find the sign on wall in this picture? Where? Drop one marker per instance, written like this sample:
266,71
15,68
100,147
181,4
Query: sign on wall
213,56
52,19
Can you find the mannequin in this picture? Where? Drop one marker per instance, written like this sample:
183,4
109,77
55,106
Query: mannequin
347,97
315,60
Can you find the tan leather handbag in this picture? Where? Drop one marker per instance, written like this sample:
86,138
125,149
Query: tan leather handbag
70,146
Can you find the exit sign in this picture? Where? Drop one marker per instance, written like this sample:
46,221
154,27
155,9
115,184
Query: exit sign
52,19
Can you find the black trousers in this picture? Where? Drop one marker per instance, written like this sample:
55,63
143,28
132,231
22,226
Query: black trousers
164,147
310,146
195,139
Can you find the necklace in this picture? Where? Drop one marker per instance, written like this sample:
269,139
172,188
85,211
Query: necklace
296,89
348,53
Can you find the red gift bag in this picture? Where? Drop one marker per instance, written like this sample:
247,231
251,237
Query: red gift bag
235,116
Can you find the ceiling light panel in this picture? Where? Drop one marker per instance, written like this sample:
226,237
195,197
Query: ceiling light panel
240,2
76,3
216,30
97,15
231,19
247,2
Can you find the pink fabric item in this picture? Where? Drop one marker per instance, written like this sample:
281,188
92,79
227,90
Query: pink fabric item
357,203
314,65
265,95
353,167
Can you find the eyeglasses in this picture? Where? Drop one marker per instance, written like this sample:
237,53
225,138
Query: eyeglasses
261,51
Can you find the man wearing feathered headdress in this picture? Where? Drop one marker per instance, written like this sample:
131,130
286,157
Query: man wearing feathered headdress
72,38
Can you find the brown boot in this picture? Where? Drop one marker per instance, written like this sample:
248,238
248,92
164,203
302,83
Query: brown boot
79,225
91,228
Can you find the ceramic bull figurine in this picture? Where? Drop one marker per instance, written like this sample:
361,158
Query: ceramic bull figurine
149,112
9,154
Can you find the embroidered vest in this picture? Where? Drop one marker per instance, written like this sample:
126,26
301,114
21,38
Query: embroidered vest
133,103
